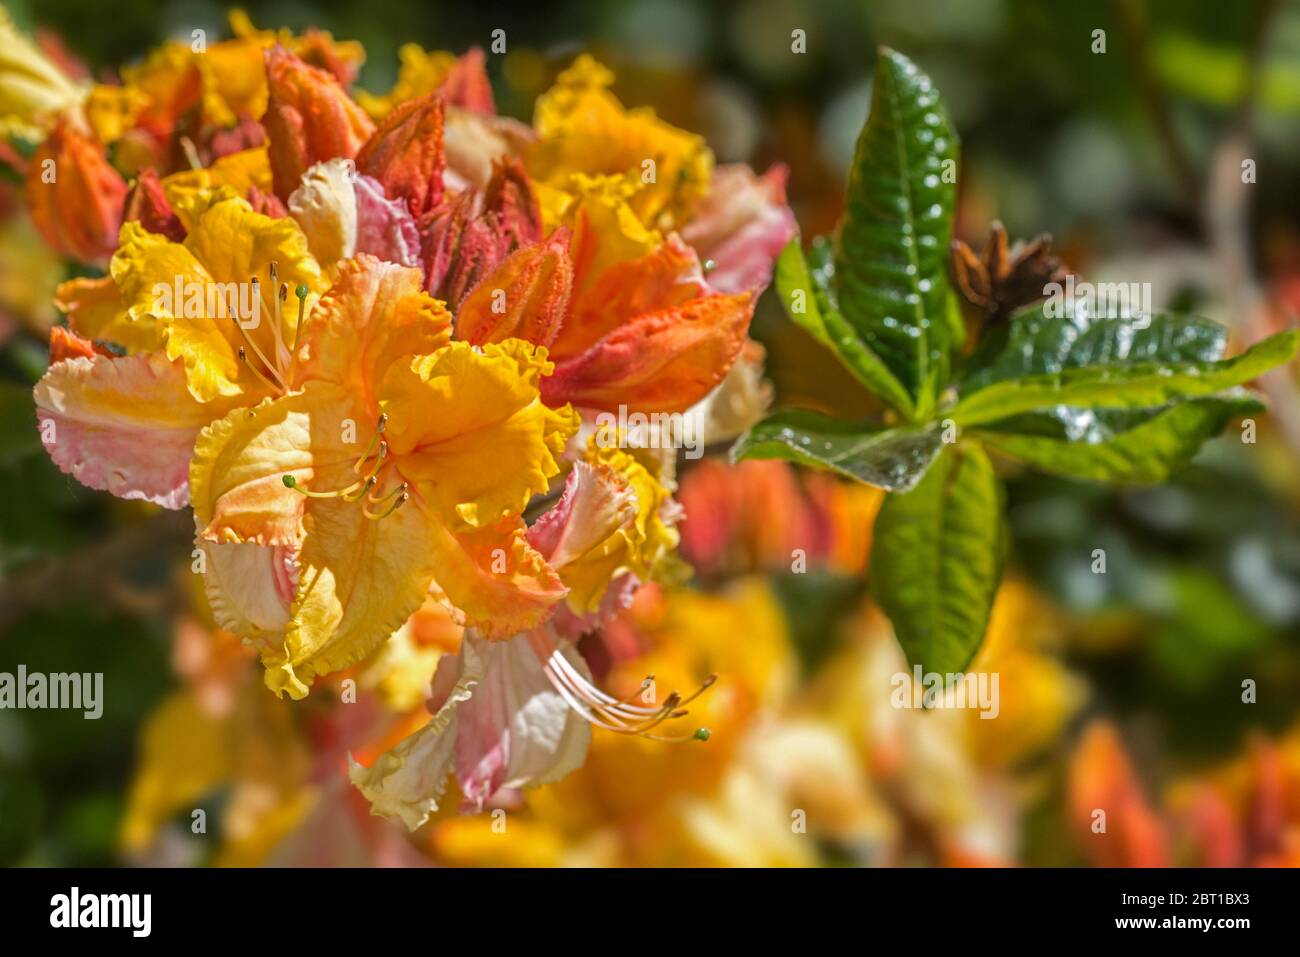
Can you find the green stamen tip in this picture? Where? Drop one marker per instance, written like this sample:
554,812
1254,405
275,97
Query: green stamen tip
702,734
301,290
289,481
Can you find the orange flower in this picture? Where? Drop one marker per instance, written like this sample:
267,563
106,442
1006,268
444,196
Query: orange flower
76,197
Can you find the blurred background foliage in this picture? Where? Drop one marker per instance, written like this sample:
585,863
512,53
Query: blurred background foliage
1109,152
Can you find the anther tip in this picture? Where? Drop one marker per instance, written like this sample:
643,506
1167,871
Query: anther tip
289,481
702,734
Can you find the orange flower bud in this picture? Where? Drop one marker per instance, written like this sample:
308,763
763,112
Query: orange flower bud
406,155
76,197
147,204
309,119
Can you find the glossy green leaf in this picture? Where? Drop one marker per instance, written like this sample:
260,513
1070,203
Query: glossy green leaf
891,255
1123,385
810,302
1129,447
893,459
936,560
1035,342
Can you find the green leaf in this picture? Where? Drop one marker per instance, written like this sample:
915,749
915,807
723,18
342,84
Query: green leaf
937,558
891,256
810,303
1036,342
893,459
1123,385
1112,447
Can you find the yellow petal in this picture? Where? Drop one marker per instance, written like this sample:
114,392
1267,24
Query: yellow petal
359,579
236,172
495,581
420,72
112,110
228,243
32,88
374,315
583,128
655,538
95,311
184,754
240,462
470,423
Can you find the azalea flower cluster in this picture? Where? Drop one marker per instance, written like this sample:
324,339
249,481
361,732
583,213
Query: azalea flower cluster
443,300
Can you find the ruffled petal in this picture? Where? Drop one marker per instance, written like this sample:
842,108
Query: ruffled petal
124,425
469,422
587,535
241,461
359,579
250,588
493,579
375,314
583,128
95,310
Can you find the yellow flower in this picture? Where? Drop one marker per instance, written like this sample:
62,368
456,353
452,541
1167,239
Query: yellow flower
393,462
235,171
420,72
113,110
127,424
583,128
